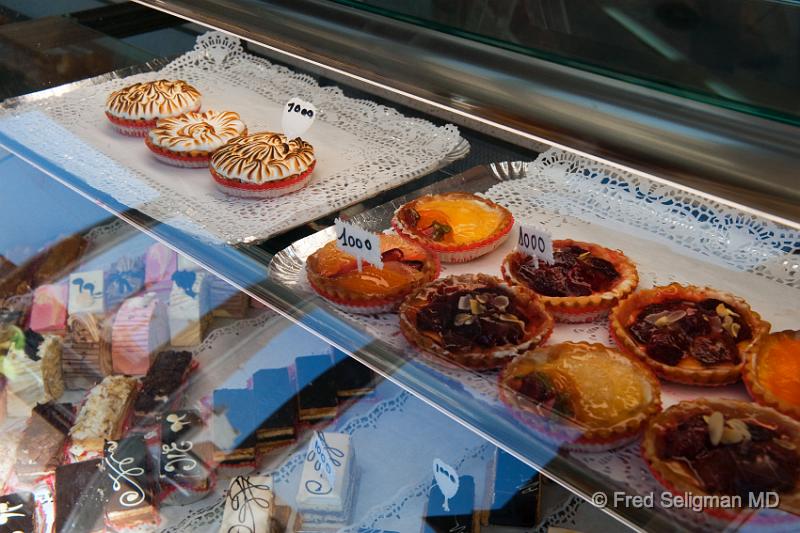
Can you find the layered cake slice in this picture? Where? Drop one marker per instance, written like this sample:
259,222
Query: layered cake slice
41,447
353,379
49,309
459,515
183,472
316,381
87,351
80,497
163,381
276,405
32,366
227,300
189,311
18,513
103,414
86,293
515,493
140,329
130,492
249,505
234,426
160,262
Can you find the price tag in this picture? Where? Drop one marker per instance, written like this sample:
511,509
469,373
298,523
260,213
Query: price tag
324,459
298,115
536,242
360,243
446,478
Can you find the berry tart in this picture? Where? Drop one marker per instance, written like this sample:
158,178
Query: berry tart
263,165
189,140
134,110
687,334
588,397
334,275
772,373
583,284
474,320
458,226
725,448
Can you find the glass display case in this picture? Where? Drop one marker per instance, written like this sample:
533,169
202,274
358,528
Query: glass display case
252,287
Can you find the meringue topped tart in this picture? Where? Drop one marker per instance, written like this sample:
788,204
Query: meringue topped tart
457,226
263,165
133,110
334,275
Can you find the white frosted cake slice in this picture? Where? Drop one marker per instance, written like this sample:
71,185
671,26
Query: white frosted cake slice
189,307
249,505
86,292
324,506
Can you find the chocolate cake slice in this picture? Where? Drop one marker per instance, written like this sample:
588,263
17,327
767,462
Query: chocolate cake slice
353,379
17,512
130,483
183,471
80,490
316,380
40,448
234,426
163,381
276,405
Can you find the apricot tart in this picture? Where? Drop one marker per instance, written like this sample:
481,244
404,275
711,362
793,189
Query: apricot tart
457,226
334,275
772,373
726,448
474,320
582,285
687,334
584,396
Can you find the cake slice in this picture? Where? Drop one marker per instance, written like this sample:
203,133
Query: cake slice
316,381
80,497
183,472
103,414
130,493
87,351
460,515
226,300
353,379
160,262
249,505
234,426
49,309
86,293
163,381
32,366
41,447
323,505
189,311
515,493
140,329
276,405
18,513
123,280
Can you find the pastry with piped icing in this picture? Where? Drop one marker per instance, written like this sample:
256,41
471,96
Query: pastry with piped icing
135,109
263,165
188,140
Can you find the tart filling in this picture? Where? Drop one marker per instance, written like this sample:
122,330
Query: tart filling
689,334
726,447
474,319
334,274
458,226
772,374
584,278
604,395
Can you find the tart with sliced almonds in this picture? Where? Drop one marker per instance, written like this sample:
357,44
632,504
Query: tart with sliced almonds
474,320
725,448
334,275
772,373
687,334
585,397
457,226
582,284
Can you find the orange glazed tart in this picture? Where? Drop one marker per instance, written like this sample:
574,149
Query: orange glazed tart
457,226
725,448
588,397
334,275
263,165
474,320
772,374
687,334
134,110
189,139
582,285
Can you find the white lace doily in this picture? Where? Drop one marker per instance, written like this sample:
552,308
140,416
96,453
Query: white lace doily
362,148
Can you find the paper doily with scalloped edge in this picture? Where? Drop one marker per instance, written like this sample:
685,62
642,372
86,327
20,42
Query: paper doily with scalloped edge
363,148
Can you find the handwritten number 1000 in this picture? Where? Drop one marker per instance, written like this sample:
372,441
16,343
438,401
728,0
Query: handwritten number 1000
297,108
352,242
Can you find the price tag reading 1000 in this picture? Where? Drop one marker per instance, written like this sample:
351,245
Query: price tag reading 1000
536,242
361,244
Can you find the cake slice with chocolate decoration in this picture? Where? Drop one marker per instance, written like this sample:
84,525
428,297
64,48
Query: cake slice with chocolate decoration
103,414
184,470
18,513
161,385
41,447
80,490
130,496
189,311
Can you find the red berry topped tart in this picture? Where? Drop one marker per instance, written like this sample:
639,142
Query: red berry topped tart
725,448
584,396
583,284
189,139
457,226
334,275
772,373
133,110
474,320
687,334
263,165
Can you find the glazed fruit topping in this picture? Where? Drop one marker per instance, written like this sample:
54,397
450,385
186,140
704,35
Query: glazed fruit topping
706,331
540,388
484,317
575,272
397,255
432,226
734,456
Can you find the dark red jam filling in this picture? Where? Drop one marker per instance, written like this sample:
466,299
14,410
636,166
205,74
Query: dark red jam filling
486,317
396,254
575,272
540,388
763,462
706,331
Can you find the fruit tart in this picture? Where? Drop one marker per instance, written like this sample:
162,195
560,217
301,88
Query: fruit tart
584,282
772,373
474,320
726,448
687,334
584,396
134,110
334,275
457,226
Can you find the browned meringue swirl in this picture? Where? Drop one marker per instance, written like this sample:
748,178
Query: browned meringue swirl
205,131
261,157
153,99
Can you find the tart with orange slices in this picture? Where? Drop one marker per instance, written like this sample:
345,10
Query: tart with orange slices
582,284
687,334
584,396
334,275
772,373
457,226
474,320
